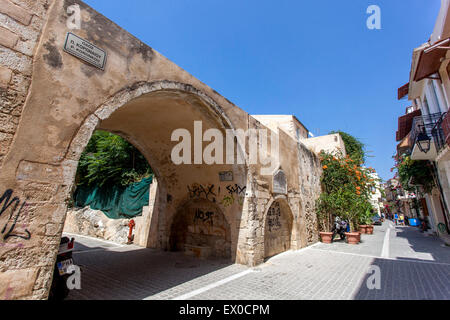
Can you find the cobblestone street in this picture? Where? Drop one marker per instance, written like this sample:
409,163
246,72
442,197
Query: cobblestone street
413,266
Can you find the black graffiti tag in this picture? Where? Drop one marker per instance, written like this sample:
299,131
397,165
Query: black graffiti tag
7,203
236,189
274,218
204,217
198,191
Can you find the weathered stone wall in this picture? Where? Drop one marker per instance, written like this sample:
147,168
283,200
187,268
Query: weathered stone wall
21,22
94,223
201,225
139,90
278,230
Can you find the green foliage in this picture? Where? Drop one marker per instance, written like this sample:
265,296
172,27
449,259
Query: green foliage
353,147
418,172
110,159
346,190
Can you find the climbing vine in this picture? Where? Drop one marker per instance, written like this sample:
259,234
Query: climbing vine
412,173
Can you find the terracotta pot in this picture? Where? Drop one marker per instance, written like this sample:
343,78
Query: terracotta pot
326,237
353,237
369,229
359,236
363,228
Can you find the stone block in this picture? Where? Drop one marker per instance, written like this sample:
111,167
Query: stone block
5,142
8,123
16,284
7,38
15,60
14,11
5,77
41,172
37,7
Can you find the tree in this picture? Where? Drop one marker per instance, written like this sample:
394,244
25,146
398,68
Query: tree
110,159
347,187
353,147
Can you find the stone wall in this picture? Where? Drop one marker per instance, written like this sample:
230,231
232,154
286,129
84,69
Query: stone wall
94,223
201,225
21,22
278,230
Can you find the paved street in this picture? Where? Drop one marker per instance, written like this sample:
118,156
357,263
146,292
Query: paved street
412,265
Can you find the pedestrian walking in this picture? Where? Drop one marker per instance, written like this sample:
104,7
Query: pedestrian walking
396,219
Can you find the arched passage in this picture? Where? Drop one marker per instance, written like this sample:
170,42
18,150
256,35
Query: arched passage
146,115
278,228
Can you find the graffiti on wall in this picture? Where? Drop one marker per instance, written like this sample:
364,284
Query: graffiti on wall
206,217
278,229
207,222
9,230
274,217
234,193
198,191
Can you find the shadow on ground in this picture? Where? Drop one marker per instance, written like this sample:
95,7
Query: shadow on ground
118,273
408,277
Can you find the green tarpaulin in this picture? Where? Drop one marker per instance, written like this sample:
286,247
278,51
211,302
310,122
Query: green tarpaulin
116,202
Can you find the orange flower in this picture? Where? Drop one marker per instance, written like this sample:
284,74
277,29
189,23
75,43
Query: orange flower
325,167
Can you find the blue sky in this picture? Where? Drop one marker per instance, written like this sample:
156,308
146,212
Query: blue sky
314,59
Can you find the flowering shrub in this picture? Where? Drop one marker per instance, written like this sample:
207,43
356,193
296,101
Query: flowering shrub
347,187
411,172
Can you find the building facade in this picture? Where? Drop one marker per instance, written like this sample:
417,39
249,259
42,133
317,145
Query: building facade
424,129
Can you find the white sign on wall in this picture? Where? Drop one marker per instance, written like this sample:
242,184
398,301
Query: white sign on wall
85,50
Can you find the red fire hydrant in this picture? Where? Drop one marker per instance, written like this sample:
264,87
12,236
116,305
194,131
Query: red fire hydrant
131,224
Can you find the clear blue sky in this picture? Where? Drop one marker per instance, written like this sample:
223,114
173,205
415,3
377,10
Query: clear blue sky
314,59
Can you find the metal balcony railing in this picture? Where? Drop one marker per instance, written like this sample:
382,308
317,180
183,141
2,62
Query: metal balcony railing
426,123
438,132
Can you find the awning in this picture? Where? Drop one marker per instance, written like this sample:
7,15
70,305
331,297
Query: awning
405,124
405,145
403,91
430,59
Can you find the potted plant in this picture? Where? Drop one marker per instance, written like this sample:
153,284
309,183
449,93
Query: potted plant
363,228
324,218
350,213
346,187
367,218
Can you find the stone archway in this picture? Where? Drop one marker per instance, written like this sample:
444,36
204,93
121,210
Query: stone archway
146,114
278,228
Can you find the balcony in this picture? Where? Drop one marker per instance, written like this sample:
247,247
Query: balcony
428,124
441,132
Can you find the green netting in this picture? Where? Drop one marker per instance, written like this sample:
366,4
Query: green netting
115,202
